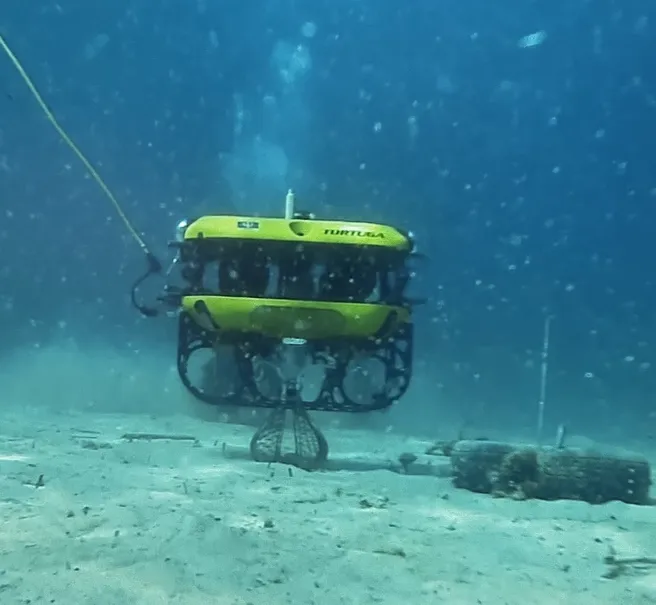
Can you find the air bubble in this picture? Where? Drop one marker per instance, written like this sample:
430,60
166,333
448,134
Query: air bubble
534,39
309,29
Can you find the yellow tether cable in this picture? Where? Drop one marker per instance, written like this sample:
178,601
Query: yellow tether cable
62,133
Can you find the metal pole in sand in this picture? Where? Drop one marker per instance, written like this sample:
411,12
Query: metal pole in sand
544,368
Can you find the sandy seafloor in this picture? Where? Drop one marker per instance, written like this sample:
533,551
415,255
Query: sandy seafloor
152,522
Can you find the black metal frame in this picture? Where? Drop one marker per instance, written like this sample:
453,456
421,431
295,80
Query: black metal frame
395,352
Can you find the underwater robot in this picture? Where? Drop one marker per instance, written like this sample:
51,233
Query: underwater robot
332,292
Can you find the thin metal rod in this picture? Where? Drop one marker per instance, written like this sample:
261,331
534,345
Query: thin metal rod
289,205
544,369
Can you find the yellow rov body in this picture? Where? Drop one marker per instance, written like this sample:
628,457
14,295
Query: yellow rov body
338,287
286,309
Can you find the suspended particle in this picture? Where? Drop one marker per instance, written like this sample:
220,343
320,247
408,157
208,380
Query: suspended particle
534,39
309,29
95,46
641,25
413,128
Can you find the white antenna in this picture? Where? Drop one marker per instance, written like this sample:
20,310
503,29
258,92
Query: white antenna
289,205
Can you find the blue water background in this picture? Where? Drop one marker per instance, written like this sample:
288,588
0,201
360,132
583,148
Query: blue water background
527,173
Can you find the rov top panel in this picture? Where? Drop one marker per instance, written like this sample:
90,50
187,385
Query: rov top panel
297,231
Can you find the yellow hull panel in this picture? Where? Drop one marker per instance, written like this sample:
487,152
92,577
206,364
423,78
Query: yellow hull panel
309,320
296,231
